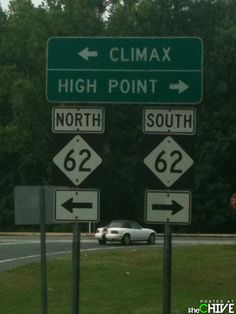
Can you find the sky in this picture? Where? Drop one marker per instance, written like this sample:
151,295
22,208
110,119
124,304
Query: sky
5,3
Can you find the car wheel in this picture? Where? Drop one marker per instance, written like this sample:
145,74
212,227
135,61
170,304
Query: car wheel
126,239
152,239
102,241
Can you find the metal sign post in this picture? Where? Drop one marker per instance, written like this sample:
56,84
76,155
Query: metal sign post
167,269
44,297
76,160
75,269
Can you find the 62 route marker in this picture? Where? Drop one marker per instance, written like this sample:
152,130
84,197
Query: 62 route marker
125,70
168,161
172,207
77,160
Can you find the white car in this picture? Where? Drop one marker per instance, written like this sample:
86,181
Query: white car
125,231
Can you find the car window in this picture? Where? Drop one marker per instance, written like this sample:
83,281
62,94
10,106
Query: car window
135,225
118,224
127,225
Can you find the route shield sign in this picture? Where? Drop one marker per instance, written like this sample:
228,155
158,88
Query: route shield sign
168,162
125,70
75,161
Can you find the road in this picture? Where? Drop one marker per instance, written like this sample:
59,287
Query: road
16,251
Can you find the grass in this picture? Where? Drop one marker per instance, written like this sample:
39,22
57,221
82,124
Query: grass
127,282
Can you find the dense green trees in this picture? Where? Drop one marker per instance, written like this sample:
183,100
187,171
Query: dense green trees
25,130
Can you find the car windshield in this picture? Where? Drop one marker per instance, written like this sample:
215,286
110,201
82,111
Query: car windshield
117,224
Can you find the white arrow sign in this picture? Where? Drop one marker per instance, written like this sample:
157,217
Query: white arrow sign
86,53
167,207
180,86
77,205
168,161
77,160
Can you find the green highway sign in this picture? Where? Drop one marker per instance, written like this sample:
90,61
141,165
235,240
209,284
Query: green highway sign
147,70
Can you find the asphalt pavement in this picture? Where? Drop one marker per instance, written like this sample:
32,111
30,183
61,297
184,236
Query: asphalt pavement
18,249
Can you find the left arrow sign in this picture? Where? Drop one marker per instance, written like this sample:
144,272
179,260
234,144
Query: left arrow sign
86,53
77,205
70,205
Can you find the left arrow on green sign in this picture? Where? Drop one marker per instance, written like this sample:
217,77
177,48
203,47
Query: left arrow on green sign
86,53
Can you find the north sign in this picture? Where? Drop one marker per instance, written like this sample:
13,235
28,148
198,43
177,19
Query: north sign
125,70
78,120
160,120
173,207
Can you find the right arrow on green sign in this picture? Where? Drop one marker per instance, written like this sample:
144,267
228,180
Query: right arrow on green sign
180,86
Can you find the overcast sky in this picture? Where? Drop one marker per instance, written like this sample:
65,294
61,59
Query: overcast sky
5,3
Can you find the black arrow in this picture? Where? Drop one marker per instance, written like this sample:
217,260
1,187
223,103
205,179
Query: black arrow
174,207
70,205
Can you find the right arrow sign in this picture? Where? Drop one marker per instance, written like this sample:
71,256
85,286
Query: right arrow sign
172,207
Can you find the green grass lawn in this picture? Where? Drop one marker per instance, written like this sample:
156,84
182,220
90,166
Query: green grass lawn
127,282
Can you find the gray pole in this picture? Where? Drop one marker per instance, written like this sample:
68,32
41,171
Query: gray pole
167,270
44,299
75,269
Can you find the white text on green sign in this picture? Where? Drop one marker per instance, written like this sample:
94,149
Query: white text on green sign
124,70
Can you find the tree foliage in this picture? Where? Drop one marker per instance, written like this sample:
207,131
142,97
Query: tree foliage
25,130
